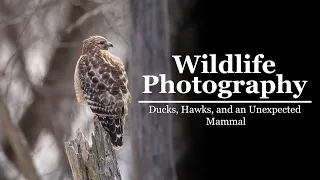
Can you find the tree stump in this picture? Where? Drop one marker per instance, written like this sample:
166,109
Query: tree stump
98,162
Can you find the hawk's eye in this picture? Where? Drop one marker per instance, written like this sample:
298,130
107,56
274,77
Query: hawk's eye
102,42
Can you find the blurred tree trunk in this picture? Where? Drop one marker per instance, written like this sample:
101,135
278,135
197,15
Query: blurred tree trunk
150,56
184,41
192,36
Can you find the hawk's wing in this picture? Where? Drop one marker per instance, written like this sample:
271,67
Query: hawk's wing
77,84
104,83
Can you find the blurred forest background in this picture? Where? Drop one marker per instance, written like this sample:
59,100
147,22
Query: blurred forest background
41,41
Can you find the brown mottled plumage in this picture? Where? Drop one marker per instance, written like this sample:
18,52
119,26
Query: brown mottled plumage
101,81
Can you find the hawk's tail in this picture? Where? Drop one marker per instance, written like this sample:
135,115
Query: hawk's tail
114,127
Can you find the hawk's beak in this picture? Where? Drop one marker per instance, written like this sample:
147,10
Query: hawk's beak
109,44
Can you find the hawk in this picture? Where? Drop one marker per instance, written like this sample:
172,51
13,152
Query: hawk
100,81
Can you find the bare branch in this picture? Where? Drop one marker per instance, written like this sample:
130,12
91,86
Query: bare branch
27,14
86,16
14,39
21,151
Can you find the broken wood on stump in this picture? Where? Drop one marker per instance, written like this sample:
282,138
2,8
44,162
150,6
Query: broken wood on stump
98,162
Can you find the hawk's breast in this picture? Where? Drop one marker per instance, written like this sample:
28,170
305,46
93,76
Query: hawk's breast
104,84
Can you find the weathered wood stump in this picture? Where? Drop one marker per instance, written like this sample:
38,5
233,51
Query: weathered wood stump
98,162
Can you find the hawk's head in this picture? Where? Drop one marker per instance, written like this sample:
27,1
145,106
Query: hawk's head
96,41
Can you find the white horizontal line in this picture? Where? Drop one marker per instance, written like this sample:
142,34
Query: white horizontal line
195,102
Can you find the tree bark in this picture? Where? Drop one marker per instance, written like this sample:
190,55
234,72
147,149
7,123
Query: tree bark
98,162
150,56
